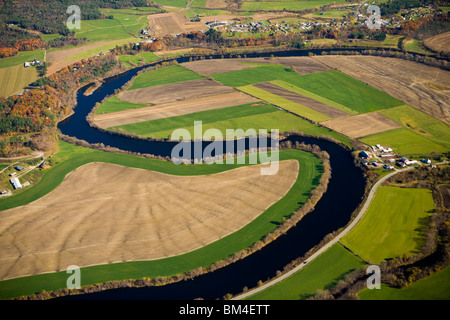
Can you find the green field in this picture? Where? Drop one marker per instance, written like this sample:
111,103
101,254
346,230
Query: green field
167,75
311,95
415,45
171,3
284,103
143,57
21,58
323,273
331,85
237,117
434,287
280,5
404,141
114,104
71,157
14,79
392,225
420,123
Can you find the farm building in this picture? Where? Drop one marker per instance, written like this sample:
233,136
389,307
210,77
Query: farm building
16,183
19,168
364,154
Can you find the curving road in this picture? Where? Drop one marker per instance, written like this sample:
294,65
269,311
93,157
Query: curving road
332,242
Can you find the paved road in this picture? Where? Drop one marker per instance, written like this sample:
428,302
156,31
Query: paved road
332,242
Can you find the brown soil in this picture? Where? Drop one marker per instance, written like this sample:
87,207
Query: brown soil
172,23
405,80
362,124
104,213
208,67
305,101
216,4
439,43
56,60
175,91
171,109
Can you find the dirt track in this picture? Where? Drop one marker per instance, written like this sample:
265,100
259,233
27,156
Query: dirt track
105,213
413,83
362,124
171,109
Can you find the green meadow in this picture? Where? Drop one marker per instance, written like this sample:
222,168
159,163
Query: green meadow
167,75
322,273
404,141
71,157
331,85
434,287
392,225
271,5
421,123
114,104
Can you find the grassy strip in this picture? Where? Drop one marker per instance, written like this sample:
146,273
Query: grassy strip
284,103
171,74
21,58
404,141
269,5
73,157
434,287
420,123
323,273
391,227
311,95
232,117
114,104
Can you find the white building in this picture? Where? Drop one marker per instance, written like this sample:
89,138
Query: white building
16,183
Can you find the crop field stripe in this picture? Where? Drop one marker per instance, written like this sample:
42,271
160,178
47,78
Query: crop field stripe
391,226
114,104
284,103
310,169
404,141
14,79
420,123
167,75
346,90
311,95
322,273
161,127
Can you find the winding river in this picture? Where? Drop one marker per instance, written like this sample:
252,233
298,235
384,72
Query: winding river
333,211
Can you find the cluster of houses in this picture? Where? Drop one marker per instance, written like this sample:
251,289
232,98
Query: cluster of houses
379,151
35,62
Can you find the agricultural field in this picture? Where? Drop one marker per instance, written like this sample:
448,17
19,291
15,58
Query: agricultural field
114,104
404,141
422,87
143,57
322,273
434,287
14,79
439,43
72,157
137,118
393,225
415,45
168,75
275,5
160,226
173,23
